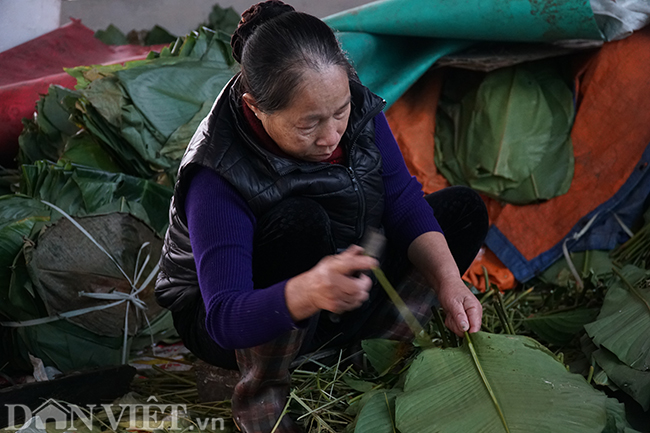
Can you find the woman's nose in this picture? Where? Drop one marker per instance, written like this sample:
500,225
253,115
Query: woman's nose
331,134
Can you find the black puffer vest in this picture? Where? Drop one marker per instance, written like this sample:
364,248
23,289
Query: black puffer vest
351,194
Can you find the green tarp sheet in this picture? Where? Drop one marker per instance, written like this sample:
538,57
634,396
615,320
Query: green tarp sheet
393,42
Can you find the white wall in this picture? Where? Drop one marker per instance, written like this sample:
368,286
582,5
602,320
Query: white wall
22,20
177,16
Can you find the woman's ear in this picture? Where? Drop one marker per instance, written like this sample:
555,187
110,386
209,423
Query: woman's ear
252,103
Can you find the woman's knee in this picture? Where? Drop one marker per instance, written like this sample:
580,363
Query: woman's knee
290,239
459,208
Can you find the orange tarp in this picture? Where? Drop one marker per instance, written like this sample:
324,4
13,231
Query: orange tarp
610,133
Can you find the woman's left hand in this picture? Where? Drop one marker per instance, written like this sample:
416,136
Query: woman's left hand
463,310
431,256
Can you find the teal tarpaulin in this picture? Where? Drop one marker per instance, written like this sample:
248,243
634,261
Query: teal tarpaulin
393,42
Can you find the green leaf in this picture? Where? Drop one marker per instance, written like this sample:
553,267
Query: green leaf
8,180
107,97
177,142
358,385
383,354
16,207
81,149
560,328
16,302
223,19
485,380
169,96
55,109
623,325
111,36
124,206
634,382
158,35
69,347
616,421
509,137
378,414
45,137
445,393
83,191
598,264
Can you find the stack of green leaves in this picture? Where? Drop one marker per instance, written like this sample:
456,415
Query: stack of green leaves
509,136
45,262
222,20
135,118
621,335
97,168
492,383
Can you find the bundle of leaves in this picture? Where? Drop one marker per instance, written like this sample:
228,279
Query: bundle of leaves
73,231
620,336
509,135
221,20
81,228
135,118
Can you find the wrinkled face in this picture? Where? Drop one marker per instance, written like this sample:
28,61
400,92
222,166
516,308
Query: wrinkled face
311,127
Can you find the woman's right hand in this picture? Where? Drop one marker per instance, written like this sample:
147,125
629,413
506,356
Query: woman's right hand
335,284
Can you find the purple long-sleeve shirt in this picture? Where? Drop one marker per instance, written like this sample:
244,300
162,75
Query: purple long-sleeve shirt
221,227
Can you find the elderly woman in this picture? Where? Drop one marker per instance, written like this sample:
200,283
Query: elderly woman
280,182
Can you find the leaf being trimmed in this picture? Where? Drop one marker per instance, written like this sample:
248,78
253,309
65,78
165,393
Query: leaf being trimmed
623,325
444,392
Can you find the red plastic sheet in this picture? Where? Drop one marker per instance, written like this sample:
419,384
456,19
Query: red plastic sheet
26,71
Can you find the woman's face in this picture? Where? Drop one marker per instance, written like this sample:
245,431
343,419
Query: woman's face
311,127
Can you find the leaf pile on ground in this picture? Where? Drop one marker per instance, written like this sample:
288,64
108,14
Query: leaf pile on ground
104,156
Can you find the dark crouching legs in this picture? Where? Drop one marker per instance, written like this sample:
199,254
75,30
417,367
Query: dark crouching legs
463,217
290,239
261,394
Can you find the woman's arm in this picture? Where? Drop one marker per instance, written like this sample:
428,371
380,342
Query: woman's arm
334,284
409,219
221,229
406,214
431,256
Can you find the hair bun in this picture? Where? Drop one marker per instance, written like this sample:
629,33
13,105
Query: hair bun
252,18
